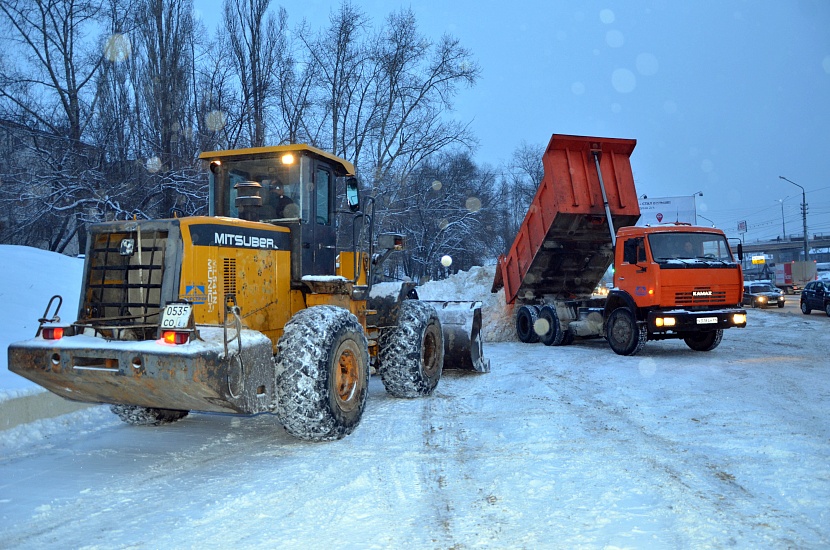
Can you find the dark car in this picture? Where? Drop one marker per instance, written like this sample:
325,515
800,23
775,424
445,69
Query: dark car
762,295
816,295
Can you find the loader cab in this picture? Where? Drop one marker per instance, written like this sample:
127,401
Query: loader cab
288,185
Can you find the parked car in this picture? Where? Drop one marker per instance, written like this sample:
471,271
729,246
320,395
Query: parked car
762,295
816,295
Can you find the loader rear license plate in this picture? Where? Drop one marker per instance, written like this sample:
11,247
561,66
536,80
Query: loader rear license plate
176,316
706,320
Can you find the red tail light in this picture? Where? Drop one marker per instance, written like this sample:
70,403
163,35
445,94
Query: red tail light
52,333
173,337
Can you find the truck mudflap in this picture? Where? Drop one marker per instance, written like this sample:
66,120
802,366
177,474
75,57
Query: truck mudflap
685,321
192,376
461,325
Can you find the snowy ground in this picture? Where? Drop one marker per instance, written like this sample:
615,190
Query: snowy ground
555,447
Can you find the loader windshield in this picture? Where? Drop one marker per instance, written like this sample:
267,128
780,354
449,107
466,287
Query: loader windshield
259,190
691,246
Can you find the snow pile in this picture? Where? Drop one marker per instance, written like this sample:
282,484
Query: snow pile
474,285
31,278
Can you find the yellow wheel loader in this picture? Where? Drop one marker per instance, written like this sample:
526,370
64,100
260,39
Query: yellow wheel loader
250,309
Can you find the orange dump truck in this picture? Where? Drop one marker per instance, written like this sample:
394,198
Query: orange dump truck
670,281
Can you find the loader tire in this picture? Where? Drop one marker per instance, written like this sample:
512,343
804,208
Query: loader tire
624,335
525,322
146,416
322,374
704,341
412,353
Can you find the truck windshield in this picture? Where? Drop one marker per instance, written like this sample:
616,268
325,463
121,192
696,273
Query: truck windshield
689,246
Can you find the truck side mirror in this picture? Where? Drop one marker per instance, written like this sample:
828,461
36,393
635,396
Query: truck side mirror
740,252
352,195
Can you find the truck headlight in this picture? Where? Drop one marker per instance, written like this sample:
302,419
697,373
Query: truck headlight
739,318
665,321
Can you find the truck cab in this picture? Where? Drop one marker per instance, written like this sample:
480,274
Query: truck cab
675,281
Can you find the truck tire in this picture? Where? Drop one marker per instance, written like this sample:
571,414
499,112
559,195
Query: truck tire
146,416
525,320
624,335
704,341
411,357
554,334
322,374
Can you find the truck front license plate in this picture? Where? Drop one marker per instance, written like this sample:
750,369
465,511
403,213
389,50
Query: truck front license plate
176,316
706,320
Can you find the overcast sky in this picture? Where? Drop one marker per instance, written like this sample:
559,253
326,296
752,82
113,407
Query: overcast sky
722,96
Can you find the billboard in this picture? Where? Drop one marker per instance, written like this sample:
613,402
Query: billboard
668,210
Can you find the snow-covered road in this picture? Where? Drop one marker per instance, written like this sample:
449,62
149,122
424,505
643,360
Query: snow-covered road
556,447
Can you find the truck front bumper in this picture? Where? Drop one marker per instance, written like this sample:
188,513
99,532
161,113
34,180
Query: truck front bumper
674,322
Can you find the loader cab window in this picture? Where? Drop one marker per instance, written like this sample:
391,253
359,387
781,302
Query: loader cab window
322,194
276,184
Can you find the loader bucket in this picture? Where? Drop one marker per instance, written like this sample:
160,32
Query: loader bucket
461,324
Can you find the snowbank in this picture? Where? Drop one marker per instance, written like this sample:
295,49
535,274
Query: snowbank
30,278
474,285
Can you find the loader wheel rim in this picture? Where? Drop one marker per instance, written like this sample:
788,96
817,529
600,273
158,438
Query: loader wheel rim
430,355
347,378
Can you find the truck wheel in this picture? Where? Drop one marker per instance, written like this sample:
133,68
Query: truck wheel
568,339
412,353
146,416
623,334
554,334
322,374
805,309
525,320
704,341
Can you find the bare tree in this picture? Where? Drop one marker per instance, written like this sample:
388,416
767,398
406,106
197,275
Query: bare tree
257,42
417,83
517,187
51,82
448,210
338,54
220,119
47,85
164,34
296,79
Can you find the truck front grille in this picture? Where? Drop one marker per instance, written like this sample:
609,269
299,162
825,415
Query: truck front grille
699,298
126,270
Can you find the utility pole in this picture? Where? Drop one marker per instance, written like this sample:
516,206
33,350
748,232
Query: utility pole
803,216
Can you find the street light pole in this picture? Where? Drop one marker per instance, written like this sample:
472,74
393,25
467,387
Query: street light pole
803,215
707,219
694,201
783,227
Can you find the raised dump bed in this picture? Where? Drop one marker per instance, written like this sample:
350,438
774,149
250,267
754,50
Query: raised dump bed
564,245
